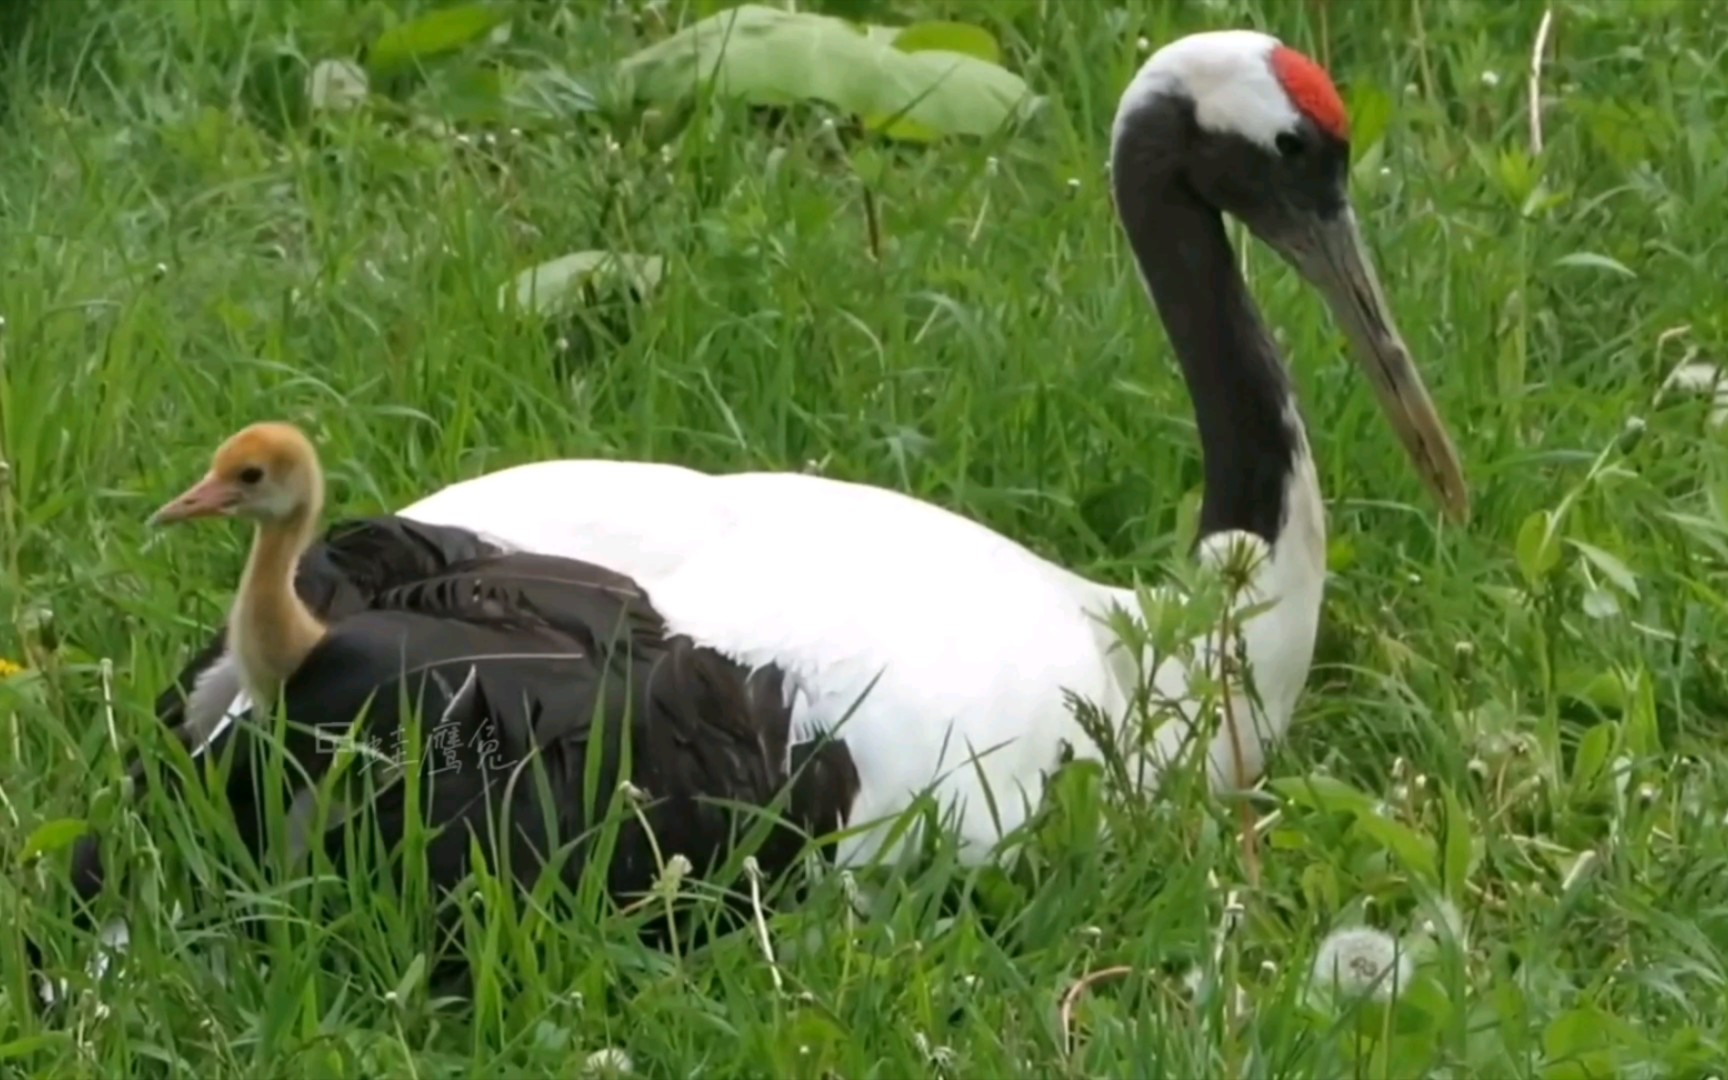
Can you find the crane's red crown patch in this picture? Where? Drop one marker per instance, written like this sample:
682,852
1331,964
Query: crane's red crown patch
1310,90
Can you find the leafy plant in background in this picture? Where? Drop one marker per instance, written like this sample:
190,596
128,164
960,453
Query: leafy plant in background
917,82
912,84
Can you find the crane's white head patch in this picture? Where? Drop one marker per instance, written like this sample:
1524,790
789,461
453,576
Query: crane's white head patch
1242,82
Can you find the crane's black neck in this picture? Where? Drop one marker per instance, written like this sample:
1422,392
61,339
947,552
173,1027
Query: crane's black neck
1243,405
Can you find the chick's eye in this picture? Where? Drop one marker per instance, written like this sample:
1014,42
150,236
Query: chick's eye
251,474
1289,143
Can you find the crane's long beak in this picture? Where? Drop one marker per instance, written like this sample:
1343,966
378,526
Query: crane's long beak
209,497
1330,253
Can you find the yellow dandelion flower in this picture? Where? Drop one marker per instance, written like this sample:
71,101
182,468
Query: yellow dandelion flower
9,669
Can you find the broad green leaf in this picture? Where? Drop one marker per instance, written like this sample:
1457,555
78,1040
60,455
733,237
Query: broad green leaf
770,57
1537,549
1611,567
811,1036
1591,261
1543,200
1601,689
1370,112
1643,736
432,34
1329,794
1340,554
1517,173
52,836
1320,885
472,96
410,980
30,1044
954,37
1592,757
1415,850
1459,846
558,284
1581,1042
1324,793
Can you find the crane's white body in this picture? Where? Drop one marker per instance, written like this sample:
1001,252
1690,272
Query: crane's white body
941,651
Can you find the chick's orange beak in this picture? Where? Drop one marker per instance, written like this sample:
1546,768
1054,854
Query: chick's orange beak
209,497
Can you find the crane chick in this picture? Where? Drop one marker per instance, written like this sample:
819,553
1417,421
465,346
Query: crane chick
268,474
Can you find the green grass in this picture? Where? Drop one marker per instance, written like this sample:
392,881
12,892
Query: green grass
179,262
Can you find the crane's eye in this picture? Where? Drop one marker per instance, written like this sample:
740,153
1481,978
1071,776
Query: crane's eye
1289,144
251,474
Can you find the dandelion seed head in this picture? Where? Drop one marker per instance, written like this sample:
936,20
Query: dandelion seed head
1361,960
609,1061
676,868
1233,555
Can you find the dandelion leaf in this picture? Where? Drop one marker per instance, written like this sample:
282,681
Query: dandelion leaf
935,86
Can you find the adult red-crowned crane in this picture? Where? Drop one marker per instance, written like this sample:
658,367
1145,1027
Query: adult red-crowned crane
950,651
935,639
